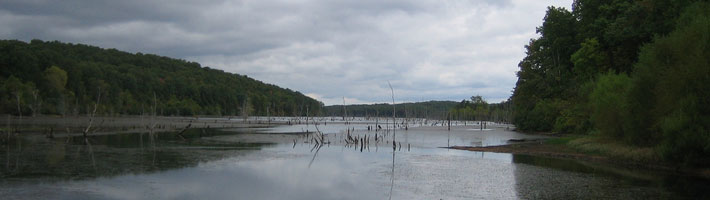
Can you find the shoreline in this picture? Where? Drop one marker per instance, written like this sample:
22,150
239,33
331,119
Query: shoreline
562,151
67,126
535,149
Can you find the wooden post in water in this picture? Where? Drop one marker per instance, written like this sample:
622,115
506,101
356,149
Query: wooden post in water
377,120
394,134
449,118
345,112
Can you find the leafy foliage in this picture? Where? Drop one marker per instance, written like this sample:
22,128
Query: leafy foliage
69,77
631,70
609,104
478,109
676,70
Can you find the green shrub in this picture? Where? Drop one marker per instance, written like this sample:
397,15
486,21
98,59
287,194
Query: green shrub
608,104
575,115
672,86
543,116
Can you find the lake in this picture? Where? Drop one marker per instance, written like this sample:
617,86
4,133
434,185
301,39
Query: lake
293,162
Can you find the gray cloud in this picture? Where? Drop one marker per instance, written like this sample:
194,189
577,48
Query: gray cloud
442,50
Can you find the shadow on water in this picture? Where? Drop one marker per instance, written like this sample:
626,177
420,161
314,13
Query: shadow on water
394,152
600,181
114,154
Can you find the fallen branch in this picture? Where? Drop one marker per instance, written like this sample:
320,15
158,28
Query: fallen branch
183,131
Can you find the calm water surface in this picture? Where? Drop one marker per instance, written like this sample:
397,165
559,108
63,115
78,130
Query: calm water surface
283,163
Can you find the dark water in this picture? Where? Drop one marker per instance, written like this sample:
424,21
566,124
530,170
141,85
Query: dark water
267,164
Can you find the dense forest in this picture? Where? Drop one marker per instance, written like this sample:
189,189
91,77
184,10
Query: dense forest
474,109
69,79
635,71
428,109
477,109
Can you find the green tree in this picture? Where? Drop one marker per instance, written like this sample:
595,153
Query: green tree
127,104
576,47
55,82
546,73
56,78
671,90
480,108
588,61
609,107
17,95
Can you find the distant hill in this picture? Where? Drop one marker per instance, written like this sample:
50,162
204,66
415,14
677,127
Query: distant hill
61,78
430,109
474,109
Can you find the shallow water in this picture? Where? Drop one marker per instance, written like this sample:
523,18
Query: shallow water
283,163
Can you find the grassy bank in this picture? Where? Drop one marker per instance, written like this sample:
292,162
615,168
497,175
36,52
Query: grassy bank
609,148
616,152
612,149
596,149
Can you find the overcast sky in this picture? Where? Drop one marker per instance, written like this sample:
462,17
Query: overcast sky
428,50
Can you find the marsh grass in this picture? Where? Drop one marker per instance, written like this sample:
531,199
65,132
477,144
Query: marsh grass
608,147
561,140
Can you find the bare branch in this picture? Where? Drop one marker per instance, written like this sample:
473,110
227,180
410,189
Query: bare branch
93,113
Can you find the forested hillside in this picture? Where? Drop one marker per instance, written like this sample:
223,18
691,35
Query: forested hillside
474,109
428,109
634,71
67,79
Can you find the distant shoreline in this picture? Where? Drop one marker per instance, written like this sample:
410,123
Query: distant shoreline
74,125
61,126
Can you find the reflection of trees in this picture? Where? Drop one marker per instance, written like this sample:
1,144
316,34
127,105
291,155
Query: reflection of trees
532,182
109,155
10,153
547,178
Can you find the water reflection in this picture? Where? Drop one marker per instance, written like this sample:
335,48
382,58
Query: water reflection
394,152
234,164
110,155
547,178
317,148
245,177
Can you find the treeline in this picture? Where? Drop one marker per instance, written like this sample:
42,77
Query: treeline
68,79
635,71
428,109
477,109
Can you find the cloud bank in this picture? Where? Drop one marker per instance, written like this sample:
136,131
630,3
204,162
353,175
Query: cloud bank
427,50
